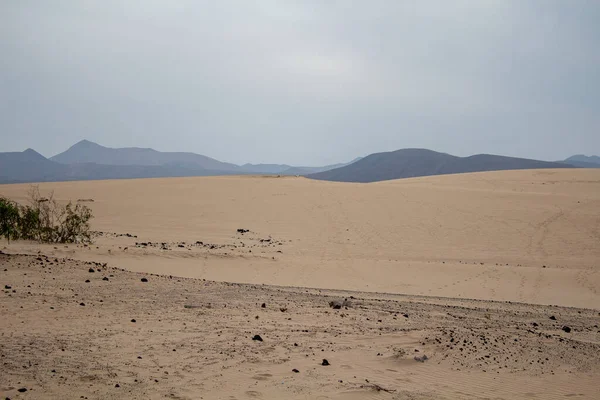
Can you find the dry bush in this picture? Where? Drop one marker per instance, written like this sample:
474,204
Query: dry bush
44,219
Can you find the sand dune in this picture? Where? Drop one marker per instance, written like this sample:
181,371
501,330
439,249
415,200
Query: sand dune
68,333
529,236
421,262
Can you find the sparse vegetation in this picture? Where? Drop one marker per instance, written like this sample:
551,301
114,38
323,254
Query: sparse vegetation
45,220
9,219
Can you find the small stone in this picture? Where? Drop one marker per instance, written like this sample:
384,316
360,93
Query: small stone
295,370
7,287
264,305
91,270
22,390
87,281
105,278
325,363
117,385
144,280
257,337
82,304
566,329
553,318
133,320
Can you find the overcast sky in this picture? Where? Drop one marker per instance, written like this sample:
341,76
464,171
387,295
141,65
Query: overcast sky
302,82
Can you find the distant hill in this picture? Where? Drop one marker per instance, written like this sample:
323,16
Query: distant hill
314,170
90,152
582,161
409,163
284,169
30,166
90,161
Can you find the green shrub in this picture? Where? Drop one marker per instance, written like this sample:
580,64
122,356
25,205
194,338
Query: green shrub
45,220
29,223
9,219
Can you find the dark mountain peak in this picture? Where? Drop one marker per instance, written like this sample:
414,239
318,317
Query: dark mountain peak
32,154
415,150
85,144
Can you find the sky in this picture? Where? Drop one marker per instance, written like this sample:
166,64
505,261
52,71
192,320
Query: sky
308,82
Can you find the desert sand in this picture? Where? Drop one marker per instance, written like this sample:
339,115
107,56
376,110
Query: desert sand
479,263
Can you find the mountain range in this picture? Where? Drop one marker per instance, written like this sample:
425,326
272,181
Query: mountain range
410,163
582,161
90,161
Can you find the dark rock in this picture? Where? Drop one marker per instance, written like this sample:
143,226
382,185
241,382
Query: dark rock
82,304
566,329
264,305
422,358
553,318
91,270
87,281
535,324
257,337
22,390
7,287
117,385
405,315
243,230
144,280
133,320
295,370
325,363
105,278
336,305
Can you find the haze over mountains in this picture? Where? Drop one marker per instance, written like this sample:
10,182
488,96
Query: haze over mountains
579,160
90,161
410,163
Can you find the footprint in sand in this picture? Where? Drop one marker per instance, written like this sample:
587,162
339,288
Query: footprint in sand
262,377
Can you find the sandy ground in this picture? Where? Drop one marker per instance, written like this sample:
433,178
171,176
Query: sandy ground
466,269
529,236
69,333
